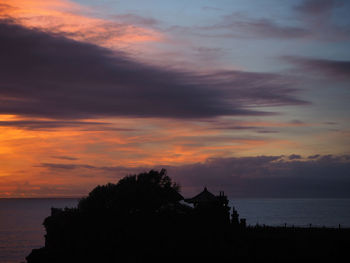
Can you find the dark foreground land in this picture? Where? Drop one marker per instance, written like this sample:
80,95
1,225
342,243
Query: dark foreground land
142,219
249,245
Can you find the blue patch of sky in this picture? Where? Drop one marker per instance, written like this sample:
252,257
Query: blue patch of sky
340,16
184,12
254,54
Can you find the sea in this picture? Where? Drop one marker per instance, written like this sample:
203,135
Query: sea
21,220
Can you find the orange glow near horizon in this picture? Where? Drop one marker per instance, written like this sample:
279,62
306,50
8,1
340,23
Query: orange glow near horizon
42,157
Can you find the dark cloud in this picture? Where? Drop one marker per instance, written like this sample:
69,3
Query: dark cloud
110,171
267,131
51,125
238,127
39,124
268,176
315,156
50,76
62,157
317,7
322,67
61,166
234,127
228,126
294,157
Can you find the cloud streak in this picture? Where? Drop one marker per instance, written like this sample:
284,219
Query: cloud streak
314,21
238,26
335,69
40,124
62,157
263,27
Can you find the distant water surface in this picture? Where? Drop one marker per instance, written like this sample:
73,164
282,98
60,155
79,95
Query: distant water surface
21,220
298,212
21,227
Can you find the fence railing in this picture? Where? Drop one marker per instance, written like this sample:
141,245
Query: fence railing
286,225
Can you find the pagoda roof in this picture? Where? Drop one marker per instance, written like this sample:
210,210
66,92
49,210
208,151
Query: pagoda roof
204,196
175,195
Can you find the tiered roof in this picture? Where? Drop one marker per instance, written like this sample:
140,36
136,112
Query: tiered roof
203,197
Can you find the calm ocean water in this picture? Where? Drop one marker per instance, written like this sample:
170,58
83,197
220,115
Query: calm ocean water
21,227
21,220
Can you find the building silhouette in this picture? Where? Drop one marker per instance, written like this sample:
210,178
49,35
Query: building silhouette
211,208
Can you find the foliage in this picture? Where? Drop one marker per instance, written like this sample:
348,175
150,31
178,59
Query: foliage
142,193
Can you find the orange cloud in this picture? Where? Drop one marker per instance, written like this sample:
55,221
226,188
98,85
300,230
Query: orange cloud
87,155
74,21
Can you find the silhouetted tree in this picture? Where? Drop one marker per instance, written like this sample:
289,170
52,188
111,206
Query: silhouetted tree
139,212
142,193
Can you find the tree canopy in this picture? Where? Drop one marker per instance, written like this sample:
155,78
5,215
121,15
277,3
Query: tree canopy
143,193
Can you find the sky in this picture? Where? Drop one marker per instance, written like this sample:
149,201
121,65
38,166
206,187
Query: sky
248,97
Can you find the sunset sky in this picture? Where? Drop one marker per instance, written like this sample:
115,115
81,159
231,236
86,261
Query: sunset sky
249,97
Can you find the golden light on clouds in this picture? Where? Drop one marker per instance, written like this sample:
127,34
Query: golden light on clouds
88,155
76,22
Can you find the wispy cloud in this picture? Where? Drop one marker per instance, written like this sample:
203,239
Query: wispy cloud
311,20
69,158
241,26
335,69
61,166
